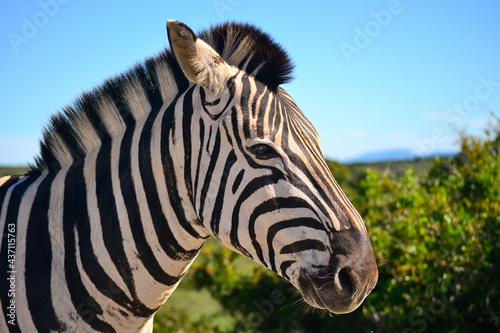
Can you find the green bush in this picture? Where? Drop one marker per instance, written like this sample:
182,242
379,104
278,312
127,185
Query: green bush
9,171
438,242
436,235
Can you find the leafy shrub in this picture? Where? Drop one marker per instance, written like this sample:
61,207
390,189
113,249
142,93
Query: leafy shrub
438,242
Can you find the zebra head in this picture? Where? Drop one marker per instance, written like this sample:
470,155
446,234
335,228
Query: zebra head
258,180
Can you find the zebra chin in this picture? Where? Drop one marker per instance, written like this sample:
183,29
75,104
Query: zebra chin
349,278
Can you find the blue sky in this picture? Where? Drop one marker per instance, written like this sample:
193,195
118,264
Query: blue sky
370,76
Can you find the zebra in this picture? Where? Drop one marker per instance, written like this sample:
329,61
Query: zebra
200,140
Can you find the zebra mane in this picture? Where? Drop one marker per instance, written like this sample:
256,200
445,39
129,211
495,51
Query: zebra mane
248,48
79,127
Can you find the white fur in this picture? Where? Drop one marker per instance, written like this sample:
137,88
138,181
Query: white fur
96,232
136,99
87,136
3,216
64,308
59,149
111,117
166,81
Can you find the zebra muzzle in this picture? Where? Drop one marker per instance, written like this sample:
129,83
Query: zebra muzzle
343,285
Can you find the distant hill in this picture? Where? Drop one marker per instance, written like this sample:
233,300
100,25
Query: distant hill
383,155
393,155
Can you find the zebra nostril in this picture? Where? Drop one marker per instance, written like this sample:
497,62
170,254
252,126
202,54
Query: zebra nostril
344,283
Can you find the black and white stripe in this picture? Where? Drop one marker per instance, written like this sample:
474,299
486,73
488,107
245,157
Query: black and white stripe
135,175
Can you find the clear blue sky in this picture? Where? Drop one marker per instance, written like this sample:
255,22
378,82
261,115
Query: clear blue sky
370,75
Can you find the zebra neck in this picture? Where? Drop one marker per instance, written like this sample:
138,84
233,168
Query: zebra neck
118,228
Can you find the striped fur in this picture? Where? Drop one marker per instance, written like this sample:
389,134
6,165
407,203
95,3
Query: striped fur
135,175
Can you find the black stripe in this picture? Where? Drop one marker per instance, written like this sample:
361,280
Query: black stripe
284,266
39,261
274,119
261,115
112,234
5,187
341,209
252,186
198,160
205,103
229,89
244,98
275,228
253,108
149,79
144,251
237,181
239,140
209,139
348,204
299,163
187,115
338,207
228,134
296,113
303,245
208,176
219,200
11,228
181,81
166,238
267,207
168,123
308,144
285,121
76,217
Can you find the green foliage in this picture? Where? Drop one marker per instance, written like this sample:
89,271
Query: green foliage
437,239
435,229
9,171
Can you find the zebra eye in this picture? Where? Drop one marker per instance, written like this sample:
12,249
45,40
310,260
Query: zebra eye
263,151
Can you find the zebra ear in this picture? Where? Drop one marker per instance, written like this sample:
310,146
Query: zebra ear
198,61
